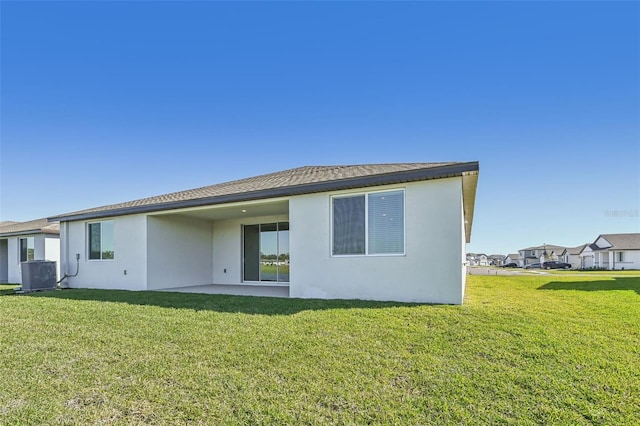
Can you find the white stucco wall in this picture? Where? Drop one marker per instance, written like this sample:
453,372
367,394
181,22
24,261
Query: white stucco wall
430,270
130,255
587,258
574,259
52,250
13,261
40,251
631,260
602,243
227,247
179,252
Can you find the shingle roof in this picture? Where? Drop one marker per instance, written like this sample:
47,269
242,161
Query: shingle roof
576,250
513,256
621,241
296,181
9,228
547,247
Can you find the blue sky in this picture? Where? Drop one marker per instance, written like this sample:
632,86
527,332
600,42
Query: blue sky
104,102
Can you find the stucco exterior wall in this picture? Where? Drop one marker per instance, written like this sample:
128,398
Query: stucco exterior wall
227,247
52,250
13,261
179,252
631,260
602,243
574,259
130,255
430,270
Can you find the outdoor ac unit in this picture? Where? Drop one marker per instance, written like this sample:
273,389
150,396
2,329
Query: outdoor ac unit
38,275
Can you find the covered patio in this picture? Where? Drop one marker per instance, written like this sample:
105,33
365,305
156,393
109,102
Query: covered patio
239,248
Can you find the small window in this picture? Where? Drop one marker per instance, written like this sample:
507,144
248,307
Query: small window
620,256
27,249
370,223
100,235
349,225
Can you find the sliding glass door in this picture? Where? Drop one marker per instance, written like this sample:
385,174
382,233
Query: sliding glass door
266,252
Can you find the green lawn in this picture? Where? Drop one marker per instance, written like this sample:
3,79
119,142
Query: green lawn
626,272
522,350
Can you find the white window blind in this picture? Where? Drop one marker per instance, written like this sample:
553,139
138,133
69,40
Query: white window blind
386,223
370,223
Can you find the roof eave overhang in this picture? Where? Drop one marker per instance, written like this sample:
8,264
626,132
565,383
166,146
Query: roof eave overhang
469,187
468,170
28,232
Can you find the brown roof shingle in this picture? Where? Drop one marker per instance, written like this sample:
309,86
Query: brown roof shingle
547,247
8,228
576,250
300,180
622,241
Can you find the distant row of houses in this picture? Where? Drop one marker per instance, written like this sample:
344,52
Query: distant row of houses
608,251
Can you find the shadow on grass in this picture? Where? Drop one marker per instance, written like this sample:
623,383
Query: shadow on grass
213,302
4,291
616,283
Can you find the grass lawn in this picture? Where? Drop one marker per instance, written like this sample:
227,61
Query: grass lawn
626,272
522,350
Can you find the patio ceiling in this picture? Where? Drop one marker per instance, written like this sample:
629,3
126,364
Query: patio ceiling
232,211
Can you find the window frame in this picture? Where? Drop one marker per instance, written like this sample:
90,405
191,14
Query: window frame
261,282
20,249
88,242
620,257
366,223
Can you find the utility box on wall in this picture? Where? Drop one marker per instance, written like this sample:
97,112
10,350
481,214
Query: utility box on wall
38,275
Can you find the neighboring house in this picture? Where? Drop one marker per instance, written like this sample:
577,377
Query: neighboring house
540,254
587,256
513,258
378,232
479,259
573,255
495,259
471,259
22,241
617,251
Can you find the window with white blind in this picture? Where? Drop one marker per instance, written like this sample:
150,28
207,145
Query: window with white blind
368,224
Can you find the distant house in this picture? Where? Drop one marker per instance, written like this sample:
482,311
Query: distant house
587,256
22,241
573,255
369,231
540,254
512,258
495,259
471,259
477,259
617,251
